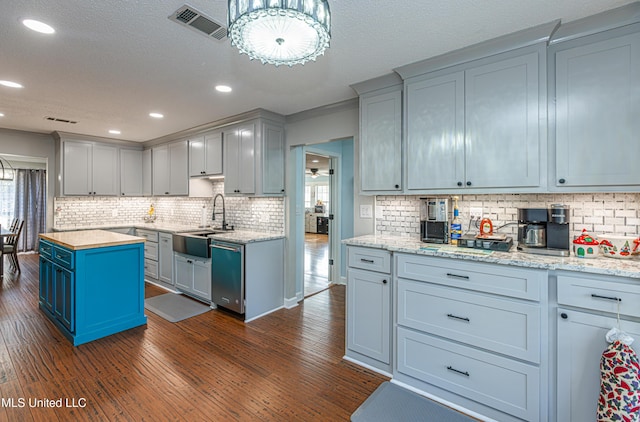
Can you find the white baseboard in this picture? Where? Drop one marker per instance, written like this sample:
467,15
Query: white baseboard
261,315
372,368
290,302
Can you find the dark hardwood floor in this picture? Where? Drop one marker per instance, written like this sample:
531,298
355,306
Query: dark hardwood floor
316,263
286,366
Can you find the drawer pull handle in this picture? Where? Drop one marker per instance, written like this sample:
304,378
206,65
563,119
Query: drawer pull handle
595,296
464,277
458,317
368,261
451,368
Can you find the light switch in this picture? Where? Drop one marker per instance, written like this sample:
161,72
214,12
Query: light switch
366,211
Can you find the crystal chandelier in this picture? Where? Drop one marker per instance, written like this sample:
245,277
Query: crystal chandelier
280,32
6,170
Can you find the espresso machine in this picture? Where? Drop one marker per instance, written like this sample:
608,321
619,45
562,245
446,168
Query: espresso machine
434,220
544,231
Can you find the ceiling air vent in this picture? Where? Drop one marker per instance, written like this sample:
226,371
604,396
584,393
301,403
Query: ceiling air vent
57,119
195,20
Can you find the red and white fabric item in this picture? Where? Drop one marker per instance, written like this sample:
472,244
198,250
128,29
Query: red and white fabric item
620,383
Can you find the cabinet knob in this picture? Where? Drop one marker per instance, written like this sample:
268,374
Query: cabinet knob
384,281
166,193
397,186
561,181
468,183
564,315
459,183
122,193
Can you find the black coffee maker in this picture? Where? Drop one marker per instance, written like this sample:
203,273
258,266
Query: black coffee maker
544,231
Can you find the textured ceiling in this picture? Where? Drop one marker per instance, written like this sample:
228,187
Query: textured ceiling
111,62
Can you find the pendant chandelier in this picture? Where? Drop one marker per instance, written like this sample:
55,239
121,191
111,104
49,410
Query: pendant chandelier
6,170
280,32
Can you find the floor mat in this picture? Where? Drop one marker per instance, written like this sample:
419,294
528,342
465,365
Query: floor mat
174,308
391,403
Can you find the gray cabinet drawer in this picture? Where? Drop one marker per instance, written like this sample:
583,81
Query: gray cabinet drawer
502,325
599,294
378,260
150,268
498,382
150,235
515,282
151,251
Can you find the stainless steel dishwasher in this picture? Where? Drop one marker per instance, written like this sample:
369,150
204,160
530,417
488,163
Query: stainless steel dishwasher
227,275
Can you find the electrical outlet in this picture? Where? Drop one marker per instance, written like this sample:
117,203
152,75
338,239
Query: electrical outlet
475,213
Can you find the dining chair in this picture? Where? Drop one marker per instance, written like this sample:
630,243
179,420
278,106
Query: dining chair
10,247
14,225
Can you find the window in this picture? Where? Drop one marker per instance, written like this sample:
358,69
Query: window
308,203
322,194
7,201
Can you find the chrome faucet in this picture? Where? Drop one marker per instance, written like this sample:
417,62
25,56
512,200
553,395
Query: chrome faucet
224,211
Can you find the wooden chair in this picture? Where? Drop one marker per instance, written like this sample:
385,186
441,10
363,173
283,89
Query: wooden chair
14,225
10,247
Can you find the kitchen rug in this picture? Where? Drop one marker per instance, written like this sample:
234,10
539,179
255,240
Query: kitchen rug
174,307
391,403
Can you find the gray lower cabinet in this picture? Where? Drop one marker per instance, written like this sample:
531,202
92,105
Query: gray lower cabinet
369,307
193,276
472,334
597,107
587,309
165,258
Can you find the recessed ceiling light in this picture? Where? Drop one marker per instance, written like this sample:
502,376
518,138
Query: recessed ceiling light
315,161
114,132
38,26
223,88
1,114
10,84
156,115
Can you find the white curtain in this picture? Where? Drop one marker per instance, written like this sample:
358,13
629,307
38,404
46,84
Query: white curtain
30,206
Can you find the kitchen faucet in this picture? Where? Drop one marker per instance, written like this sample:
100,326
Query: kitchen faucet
224,211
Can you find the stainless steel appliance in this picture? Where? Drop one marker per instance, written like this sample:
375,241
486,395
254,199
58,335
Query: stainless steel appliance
434,220
227,275
544,231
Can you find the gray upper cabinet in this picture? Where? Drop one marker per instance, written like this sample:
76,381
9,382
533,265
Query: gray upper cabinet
476,125
89,168
130,172
205,155
381,141
170,163
147,173
597,111
253,158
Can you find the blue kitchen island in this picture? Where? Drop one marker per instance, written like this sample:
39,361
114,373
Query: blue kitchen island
92,283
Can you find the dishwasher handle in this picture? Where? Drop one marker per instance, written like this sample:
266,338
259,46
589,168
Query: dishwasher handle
226,248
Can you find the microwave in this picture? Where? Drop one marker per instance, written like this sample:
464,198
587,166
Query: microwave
434,231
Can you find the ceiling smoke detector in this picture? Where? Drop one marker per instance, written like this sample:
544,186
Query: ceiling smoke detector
190,17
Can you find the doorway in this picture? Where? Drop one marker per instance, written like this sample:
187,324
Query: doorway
318,208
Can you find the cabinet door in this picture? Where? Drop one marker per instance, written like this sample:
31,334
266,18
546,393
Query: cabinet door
272,159
161,172
239,161
76,168
597,109
184,273
105,170
368,314
64,297
130,172
435,132
381,142
165,271
202,279
213,153
581,341
502,142
46,284
179,168
147,173
231,154
197,157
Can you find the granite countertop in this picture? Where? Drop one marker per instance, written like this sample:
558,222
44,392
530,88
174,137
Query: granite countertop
605,266
235,236
90,239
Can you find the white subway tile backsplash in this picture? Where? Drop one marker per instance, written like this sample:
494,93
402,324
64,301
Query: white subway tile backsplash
600,213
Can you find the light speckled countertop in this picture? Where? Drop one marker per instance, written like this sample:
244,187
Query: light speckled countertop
235,236
605,266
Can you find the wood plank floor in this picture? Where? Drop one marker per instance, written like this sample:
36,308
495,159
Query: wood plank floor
316,263
286,366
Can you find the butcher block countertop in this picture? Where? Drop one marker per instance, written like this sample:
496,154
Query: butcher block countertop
90,239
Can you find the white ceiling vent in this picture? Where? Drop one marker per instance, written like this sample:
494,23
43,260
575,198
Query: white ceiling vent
57,119
195,20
